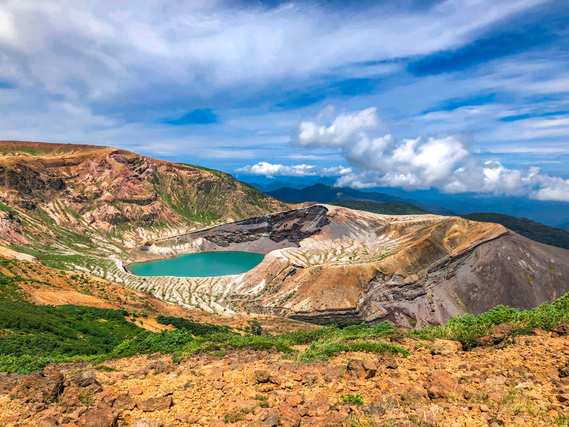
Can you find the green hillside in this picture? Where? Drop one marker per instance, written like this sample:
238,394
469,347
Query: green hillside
553,236
383,209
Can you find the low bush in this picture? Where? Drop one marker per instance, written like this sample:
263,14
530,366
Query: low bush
195,328
467,329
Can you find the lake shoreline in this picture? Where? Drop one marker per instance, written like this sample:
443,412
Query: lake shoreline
203,264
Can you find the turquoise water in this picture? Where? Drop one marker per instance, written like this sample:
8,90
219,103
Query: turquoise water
203,264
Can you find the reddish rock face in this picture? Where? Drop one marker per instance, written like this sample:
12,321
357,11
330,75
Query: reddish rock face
100,417
40,387
155,404
288,415
109,187
445,347
363,369
498,335
442,385
124,402
483,385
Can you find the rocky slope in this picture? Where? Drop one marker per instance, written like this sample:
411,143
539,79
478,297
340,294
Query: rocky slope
82,194
327,264
523,383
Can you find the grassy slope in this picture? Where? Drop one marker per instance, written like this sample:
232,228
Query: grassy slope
383,209
554,236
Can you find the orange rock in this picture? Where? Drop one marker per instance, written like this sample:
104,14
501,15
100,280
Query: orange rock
248,393
135,391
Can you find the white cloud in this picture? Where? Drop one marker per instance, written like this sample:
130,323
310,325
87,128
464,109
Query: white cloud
271,170
422,163
343,130
411,163
494,178
205,47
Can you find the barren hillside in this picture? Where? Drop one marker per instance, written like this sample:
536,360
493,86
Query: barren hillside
82,193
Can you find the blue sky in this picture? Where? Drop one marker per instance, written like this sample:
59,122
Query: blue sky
461,96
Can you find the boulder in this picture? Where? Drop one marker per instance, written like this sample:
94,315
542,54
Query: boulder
84,378
389,361
159,367
317,405
442,385
445,347
499,334
288,416
124,402
262,376
362,369
272,418
562,329
155,404
41,387
99,417
8,382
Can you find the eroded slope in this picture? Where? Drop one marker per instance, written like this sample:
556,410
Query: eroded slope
351,266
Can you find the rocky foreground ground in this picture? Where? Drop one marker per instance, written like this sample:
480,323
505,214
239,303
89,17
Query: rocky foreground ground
522,383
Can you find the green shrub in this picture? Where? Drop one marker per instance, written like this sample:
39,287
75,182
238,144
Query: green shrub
353,399
148,342
195,328
325,349
255,327
467,329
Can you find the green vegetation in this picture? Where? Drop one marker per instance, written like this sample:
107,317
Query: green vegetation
554,236
194,328
467,329
255,327
383,209
353,399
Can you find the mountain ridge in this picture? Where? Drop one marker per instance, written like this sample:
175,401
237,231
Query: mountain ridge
553,236
321,193
87,190
382,209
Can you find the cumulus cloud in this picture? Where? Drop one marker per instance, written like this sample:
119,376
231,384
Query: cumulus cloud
271,170
492,177
343,130
443,162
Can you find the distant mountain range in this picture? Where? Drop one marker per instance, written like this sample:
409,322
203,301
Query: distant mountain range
275,186
326,194
553,213
553,236
383,209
